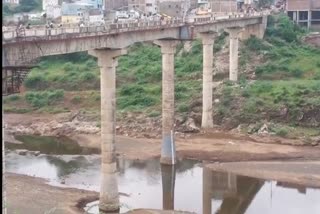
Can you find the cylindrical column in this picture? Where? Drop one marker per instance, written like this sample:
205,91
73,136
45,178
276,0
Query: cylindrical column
207,41
234,51
109,195
233,75
4,199
168,153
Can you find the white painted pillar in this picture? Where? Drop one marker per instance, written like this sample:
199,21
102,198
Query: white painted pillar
207,42
109,195
234,53
168,151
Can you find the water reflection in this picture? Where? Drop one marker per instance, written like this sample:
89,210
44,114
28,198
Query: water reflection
187,186
168,174
236,192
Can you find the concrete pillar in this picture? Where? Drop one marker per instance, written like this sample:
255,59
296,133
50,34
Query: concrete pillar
168,153
234,52
109,195
207,42
309,19
4,199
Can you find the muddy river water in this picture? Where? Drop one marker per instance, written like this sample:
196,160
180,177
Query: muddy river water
146,184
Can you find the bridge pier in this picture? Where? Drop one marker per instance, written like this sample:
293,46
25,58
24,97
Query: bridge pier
207,42
107,61
168,150
234,53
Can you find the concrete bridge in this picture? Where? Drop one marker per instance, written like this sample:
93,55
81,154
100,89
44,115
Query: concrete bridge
107,43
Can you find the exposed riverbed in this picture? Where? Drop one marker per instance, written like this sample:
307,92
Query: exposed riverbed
145,184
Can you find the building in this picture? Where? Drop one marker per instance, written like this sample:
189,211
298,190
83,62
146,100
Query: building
304,12
139,5
53,11
112,5
74,12
175,8
218,6
13,2
148,7
97,4
152,6
52,8
45,3
93,16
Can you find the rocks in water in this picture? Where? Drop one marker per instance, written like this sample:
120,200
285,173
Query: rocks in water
35,153
27,152
22,152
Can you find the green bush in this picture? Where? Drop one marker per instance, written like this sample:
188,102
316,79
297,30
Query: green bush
255,44
44,98
282,132
87,76
196,47
13,97
36,81
183,108
129,90
68,66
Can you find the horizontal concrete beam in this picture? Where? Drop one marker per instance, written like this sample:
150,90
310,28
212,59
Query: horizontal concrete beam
21,50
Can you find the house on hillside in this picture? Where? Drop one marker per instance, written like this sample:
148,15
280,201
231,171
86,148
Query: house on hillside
112,5
94,16
72,13
52,8
304,12
175,8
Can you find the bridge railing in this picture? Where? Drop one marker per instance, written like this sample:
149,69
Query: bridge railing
119,27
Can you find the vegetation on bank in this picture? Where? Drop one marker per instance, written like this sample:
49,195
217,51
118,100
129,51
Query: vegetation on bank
285,86
23,7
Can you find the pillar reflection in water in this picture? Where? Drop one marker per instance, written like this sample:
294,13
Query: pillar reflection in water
168,173
235,192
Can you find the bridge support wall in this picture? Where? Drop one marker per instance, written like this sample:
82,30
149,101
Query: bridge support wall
107,61
207,42
257,30
168,150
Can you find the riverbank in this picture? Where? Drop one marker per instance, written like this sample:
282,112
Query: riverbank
210,145
27,194
38,198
